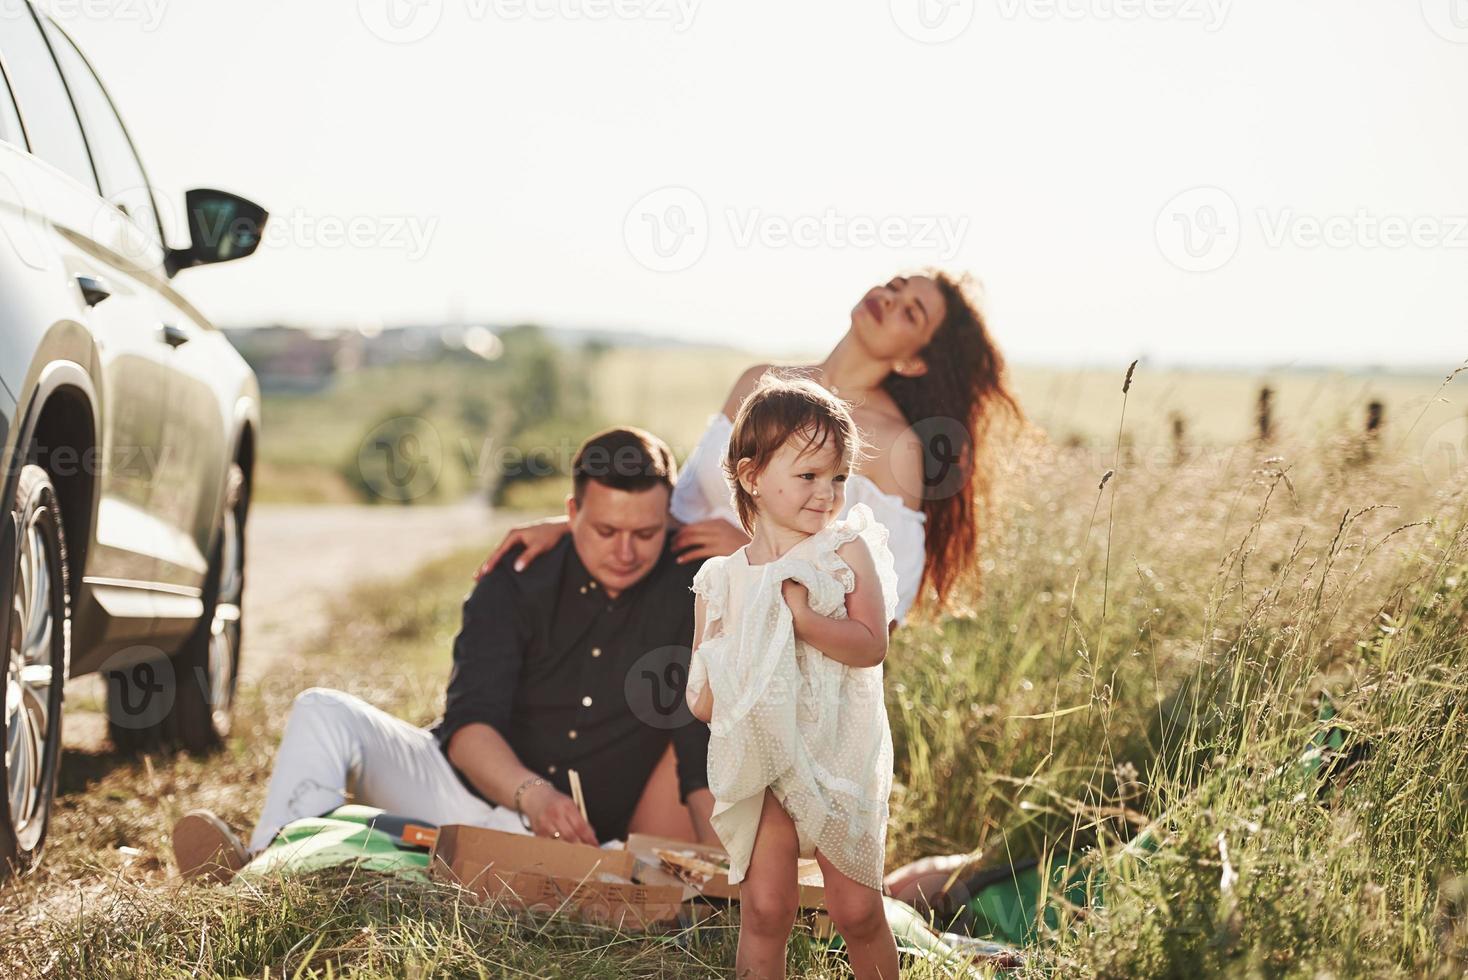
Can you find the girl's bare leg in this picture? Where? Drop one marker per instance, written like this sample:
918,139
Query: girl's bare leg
768,896
857,913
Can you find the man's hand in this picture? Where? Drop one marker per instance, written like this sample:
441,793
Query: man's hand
538,537
481,753
707,539
550,810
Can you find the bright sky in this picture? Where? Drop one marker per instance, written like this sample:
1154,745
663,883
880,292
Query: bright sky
742,170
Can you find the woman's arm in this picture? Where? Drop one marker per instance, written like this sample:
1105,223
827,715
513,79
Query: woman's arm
538,537
859,640
711,538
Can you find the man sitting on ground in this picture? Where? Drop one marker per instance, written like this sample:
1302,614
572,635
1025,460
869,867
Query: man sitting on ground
577,662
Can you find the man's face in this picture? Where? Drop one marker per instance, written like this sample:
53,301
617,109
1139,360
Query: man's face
618,534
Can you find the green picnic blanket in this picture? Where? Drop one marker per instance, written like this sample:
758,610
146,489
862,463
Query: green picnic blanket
350,835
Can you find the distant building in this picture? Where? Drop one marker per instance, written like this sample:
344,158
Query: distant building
290,359
294,359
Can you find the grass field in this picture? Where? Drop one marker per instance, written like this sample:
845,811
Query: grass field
468,418
673,391
1148,649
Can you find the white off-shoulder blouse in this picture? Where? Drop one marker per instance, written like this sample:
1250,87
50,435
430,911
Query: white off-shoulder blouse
702,493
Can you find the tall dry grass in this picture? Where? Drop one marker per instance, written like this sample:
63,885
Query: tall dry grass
1152,650
1156,644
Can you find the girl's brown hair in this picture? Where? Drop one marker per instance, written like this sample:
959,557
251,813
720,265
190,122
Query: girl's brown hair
959,401
779,407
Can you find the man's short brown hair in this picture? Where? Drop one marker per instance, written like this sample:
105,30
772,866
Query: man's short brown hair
623,458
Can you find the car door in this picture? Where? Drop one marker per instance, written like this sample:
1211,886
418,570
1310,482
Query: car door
190,472
97,257
192,483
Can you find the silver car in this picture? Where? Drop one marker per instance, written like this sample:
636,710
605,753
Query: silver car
128,425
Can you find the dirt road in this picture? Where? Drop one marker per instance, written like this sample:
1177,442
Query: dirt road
301,557
298,559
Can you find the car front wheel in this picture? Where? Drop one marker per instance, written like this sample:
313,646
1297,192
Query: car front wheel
39,632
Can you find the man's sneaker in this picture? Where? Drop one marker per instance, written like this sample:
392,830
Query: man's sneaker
206,849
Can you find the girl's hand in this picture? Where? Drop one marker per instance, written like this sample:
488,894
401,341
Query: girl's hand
538,538
797,597
708,539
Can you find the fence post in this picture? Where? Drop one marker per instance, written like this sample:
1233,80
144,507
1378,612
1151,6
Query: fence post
1375,415
1266,414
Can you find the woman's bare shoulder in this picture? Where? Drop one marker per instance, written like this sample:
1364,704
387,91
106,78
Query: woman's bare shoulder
748,380
895,459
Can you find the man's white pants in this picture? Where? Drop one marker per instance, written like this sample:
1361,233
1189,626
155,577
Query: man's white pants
336,745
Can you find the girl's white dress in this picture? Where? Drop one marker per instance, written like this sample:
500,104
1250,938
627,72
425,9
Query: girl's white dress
702,493
786,716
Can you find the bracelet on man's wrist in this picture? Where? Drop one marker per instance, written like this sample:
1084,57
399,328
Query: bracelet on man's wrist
519,792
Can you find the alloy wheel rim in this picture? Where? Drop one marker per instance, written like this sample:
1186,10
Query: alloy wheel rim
28,678
224,632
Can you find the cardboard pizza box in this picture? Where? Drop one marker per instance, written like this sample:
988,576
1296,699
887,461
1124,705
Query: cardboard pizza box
591,884
659,860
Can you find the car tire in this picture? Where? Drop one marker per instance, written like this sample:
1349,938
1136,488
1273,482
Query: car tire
194,690
38,639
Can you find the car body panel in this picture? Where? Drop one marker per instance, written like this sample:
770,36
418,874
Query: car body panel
167,421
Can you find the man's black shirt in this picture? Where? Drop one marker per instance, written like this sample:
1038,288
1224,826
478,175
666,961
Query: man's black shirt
574,680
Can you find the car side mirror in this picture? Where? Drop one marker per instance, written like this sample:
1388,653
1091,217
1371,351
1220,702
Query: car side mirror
222,227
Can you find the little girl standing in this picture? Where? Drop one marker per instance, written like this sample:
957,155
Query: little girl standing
789,637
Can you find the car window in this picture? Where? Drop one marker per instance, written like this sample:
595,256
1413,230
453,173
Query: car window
44,103
118,171
10,131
